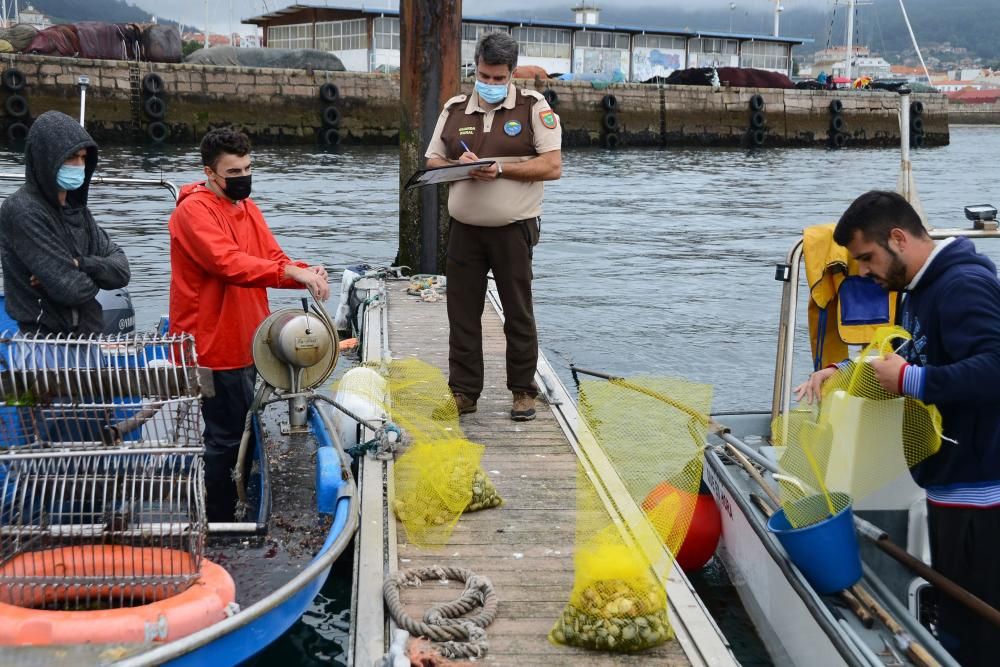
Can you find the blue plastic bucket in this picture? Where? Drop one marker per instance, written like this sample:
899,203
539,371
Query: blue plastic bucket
826,552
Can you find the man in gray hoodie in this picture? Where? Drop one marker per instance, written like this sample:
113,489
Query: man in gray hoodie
55,257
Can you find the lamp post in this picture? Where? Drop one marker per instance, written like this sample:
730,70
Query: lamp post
778,8
732,8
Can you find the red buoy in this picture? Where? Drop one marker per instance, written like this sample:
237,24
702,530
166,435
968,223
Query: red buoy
703,534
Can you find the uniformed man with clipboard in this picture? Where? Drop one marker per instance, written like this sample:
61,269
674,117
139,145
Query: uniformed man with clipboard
495,217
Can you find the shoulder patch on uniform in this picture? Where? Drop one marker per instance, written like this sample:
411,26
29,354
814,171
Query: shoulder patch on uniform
548,118
455,100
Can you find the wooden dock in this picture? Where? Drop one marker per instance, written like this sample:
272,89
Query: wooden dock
525,546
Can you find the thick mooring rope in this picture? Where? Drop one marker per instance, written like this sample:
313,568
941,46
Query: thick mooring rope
454,632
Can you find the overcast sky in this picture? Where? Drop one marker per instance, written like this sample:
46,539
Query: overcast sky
193,12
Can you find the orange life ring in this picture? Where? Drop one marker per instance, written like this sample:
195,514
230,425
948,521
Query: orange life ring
167,618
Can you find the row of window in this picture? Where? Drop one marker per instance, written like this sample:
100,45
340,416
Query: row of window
763,55
533,42
729,47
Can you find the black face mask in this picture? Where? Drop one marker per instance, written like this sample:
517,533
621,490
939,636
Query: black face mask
238,187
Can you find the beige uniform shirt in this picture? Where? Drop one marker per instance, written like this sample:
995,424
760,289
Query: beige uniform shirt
503,201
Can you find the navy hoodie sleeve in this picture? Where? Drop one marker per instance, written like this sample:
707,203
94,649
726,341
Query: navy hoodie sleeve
970,332
52,263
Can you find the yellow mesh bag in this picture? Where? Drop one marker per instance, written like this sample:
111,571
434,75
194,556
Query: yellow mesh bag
861,439
616,604
439,476
433,483
652,430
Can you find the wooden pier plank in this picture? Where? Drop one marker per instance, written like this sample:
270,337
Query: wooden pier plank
525,546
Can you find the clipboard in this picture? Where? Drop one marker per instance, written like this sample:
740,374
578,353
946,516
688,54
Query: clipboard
447,174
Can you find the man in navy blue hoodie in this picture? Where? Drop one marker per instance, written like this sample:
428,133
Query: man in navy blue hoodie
951,307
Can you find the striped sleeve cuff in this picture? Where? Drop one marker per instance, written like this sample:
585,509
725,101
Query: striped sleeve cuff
913,381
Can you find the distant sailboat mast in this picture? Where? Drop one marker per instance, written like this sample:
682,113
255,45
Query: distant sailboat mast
851,4
915,47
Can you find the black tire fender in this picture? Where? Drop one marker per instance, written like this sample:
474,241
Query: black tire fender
331,116
609,103
839,140
756,103
610,121
757,120
152,83
16,106
13,79
17,132
155,107
917,124
329,92
916,107
157,132
611,140
836,106
758,137
330,136
551,97
837,123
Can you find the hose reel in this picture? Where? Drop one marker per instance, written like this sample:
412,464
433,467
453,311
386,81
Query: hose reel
295,350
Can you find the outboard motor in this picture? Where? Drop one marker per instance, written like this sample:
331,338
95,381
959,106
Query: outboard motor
119,314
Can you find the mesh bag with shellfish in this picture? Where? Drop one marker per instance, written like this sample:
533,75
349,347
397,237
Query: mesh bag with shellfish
652,431
439,475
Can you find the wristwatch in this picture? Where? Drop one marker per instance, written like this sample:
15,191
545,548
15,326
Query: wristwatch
499,169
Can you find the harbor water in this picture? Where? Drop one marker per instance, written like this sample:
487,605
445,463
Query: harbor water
651,261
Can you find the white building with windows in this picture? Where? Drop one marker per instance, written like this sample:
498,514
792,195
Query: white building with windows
32,16
367,40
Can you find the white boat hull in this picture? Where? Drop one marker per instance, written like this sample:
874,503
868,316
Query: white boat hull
786,625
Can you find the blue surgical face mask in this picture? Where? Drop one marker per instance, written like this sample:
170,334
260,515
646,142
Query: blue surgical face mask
491,93
70,177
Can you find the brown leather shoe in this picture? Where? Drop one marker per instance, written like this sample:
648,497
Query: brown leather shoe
465,404
523,409
460,404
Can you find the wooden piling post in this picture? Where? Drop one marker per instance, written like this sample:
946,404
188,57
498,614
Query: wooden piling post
430,49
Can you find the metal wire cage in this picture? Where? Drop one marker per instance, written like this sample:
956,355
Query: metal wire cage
102,488
93,529
94,392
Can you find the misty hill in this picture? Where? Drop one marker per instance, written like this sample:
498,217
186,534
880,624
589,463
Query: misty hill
109,11
972,24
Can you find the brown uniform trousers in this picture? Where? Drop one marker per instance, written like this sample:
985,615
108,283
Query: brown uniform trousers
472,252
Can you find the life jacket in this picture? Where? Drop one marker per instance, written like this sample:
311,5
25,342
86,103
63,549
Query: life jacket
845,308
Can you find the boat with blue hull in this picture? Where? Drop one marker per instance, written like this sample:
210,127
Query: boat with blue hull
101,454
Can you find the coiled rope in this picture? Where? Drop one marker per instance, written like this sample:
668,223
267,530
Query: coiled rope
454,632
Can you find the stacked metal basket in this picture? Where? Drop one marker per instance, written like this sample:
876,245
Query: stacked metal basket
101,473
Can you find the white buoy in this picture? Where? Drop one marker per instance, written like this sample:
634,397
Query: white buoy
363,392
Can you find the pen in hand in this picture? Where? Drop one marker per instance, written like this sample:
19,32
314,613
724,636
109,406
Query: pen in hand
465,146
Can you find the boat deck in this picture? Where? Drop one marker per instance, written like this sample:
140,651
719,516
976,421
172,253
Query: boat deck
525,546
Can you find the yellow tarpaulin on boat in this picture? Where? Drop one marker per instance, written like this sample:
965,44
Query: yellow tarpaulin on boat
827,265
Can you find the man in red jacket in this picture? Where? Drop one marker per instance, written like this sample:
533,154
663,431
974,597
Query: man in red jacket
223,258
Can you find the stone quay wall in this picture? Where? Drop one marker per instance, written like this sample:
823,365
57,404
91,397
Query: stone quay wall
975,114
284,106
